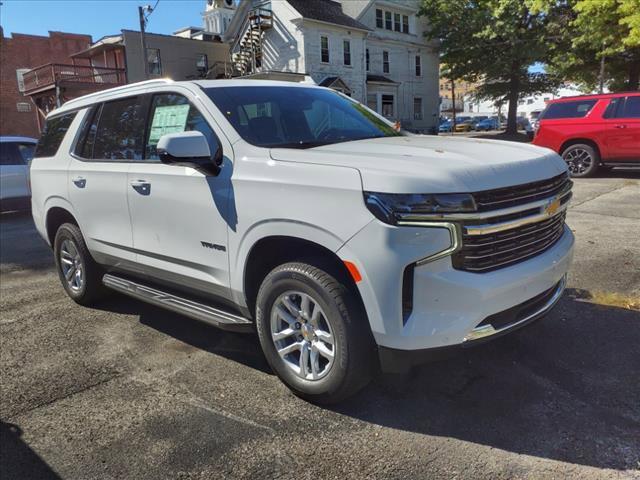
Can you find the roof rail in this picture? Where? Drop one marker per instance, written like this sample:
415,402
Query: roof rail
117,89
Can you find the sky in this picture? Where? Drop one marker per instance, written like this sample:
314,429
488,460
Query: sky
96,17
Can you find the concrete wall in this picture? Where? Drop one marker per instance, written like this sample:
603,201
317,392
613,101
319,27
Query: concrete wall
177,55
30,51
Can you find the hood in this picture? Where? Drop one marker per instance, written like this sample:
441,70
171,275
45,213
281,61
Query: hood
431,164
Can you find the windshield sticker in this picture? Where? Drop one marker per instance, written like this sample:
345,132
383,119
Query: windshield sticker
169,119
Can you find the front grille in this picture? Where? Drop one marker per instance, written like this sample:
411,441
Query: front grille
483,253
521,194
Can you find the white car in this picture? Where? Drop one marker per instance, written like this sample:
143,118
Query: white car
295,211
15,155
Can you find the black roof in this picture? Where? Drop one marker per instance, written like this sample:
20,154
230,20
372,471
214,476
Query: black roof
325,11
327,81
379,78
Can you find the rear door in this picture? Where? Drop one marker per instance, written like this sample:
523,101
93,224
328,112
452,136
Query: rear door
180,215
623,130
111,139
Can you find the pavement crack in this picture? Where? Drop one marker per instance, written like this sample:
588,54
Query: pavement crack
64,397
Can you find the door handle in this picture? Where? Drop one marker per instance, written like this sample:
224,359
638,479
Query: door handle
621,126
80,182
141,186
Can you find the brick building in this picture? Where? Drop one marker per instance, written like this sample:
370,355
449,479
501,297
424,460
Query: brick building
20,53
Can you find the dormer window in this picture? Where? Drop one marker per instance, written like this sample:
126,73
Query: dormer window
393,21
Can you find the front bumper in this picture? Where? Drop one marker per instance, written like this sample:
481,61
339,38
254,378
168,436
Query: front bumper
448,304
394,360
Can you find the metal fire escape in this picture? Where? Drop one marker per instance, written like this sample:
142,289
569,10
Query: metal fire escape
247,51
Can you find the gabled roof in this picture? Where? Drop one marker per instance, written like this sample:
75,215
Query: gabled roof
379,79
326,11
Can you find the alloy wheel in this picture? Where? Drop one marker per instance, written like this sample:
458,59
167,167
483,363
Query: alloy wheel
579,161
71,265
302,335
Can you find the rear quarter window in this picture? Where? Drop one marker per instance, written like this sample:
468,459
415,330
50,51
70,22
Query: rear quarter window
53,133
577,109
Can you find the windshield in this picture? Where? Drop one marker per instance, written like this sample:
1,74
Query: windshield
295,117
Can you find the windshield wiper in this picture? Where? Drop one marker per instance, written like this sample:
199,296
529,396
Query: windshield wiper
300,145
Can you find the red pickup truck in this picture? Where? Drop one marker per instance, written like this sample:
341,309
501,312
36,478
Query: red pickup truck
592,131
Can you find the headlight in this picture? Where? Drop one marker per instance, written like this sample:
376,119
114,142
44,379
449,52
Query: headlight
389,207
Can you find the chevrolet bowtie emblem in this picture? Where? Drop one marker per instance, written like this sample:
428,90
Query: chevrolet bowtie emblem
552,207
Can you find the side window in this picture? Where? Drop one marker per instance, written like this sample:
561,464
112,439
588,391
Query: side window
631,108
52,135
613,106
26,151
577,109
87,138
120,130
9,154
172,113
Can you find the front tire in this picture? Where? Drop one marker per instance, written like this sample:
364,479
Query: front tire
80,275
582,160
314,333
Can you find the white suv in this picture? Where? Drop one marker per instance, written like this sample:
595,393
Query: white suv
295,211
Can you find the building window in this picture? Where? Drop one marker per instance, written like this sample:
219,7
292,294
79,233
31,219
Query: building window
346,51
405,24
202,62
20,76
417,108
23,107
324,49
396,22
379,22
387,106
153,60
418,66
372,101
388,21
385,61
367,59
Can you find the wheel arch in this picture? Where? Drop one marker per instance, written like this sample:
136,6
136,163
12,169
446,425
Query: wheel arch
270,251
55,217
586,141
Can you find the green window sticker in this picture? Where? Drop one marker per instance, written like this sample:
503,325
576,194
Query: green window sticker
169,119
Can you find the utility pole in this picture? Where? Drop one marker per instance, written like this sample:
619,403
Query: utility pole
143,41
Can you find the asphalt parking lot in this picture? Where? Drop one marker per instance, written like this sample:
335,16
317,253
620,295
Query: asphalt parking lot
129,391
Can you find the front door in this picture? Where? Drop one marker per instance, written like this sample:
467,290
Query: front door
179,215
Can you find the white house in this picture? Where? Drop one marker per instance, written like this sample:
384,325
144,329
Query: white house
372,50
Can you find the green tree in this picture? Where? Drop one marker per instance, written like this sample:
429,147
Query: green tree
495,42
607,30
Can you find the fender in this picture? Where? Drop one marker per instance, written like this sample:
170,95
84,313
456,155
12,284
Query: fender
40,217
268,228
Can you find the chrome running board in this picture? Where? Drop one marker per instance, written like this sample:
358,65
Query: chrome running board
189,308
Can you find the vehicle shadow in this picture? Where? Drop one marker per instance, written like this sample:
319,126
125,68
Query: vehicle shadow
240,347
17,460
565,388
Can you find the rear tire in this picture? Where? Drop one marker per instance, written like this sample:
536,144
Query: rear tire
314,333
80,275
582,160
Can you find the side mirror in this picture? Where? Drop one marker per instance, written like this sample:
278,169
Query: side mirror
189,149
